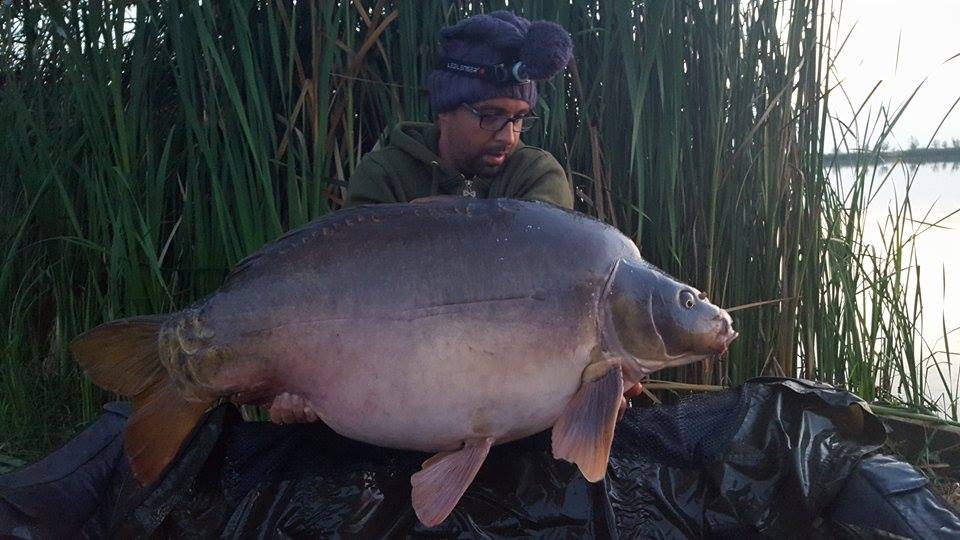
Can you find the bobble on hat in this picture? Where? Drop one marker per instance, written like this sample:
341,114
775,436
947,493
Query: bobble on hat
546,50
500,37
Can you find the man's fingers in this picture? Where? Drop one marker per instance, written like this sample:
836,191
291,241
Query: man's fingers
634,391
434,198
291,409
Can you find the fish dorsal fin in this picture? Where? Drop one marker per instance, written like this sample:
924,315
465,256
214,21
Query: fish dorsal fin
161,422
584,432
297,236
438,486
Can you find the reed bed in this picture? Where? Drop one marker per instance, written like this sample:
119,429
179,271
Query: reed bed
147,146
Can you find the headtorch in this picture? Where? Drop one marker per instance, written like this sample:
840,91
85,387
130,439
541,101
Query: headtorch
500,74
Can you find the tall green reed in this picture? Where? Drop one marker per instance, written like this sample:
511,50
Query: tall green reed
148,146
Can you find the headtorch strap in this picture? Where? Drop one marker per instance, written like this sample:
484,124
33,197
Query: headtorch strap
501,74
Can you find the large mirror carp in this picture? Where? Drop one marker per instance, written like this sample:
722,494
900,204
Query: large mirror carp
445,326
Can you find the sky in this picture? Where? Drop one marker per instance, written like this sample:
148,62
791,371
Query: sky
928,32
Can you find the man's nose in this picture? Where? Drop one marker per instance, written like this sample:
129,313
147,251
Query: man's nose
508,135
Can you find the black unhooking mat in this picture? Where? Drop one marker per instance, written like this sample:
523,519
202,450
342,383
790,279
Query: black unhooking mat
772,458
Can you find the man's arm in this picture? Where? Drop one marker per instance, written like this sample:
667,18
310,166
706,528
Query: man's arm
370,184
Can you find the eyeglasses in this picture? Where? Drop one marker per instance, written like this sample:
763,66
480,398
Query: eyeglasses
496,122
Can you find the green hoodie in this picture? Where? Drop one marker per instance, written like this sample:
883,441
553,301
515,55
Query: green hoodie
408,168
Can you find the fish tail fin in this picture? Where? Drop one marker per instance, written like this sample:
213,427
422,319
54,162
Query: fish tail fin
162,421
124,357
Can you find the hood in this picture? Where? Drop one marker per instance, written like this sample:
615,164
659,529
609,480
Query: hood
420,140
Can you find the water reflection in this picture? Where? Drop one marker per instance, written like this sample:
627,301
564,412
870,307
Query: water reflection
934,196
936,166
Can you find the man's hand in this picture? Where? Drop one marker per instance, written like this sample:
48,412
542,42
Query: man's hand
291,409
435,198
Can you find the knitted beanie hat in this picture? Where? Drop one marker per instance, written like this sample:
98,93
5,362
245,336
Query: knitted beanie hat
496,55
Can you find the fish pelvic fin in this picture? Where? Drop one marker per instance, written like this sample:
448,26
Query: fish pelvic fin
584,431
444,478
123,356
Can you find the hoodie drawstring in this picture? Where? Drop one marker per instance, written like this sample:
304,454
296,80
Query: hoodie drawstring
434,181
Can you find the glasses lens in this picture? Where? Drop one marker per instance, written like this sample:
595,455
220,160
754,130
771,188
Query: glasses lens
528,122
493,123
496,123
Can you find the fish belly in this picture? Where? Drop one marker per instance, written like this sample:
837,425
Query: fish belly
430,380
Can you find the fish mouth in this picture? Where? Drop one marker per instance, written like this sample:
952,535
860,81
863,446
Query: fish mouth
725,335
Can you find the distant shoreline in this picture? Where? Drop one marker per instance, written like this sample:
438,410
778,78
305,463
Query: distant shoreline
915,155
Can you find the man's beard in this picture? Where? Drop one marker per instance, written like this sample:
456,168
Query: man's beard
479,167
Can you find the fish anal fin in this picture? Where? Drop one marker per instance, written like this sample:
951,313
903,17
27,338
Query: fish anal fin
444,478
584,431
161,422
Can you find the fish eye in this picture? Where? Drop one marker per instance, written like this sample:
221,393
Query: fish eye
687,299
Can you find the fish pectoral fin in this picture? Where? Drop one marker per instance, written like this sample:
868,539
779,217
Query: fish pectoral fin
444,478
584,432
161,422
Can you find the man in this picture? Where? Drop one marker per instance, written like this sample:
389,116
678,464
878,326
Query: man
473,149
483,95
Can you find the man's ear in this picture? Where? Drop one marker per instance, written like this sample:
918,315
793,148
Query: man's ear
445,120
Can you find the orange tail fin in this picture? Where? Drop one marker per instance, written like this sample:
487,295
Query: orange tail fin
123,357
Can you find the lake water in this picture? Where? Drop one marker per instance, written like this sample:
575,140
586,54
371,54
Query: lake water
934,193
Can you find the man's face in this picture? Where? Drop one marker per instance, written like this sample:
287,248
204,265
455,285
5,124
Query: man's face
474,150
